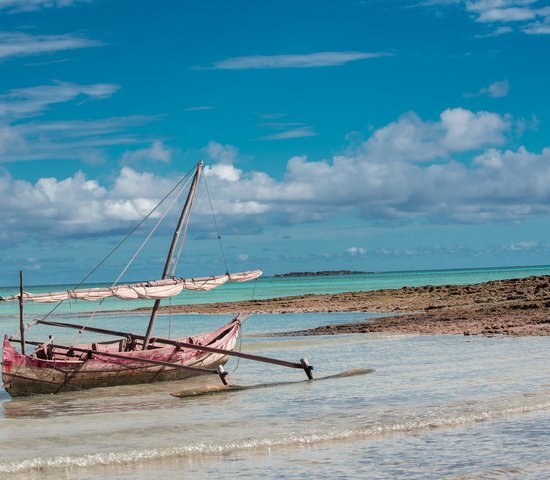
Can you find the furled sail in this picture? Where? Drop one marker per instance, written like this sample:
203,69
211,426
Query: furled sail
153,290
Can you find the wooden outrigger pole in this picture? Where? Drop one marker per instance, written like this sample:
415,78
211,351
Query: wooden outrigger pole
185,210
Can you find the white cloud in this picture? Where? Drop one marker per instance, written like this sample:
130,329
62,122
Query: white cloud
78,205
299,132
311,60
221,153
538,28
157,152
17,44
199,108
356,251
458,129
11,140
496,32
498,89
524,245
16,6
23,102
495,90
24,137
377,180
529,16
510,14
224,172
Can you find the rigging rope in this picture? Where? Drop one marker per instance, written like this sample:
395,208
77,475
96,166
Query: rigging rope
163,216
128,235
215,223
151,233
241,335
182,237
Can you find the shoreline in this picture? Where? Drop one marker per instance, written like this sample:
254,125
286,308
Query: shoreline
516,307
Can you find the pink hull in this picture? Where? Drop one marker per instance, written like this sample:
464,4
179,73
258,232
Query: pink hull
29,375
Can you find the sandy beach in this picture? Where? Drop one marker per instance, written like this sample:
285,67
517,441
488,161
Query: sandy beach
517,307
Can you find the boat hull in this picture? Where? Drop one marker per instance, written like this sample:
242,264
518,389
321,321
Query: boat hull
25,375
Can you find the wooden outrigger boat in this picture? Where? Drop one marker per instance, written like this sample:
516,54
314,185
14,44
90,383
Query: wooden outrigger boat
131,358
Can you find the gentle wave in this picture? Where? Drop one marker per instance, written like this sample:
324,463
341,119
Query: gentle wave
516,471
294,440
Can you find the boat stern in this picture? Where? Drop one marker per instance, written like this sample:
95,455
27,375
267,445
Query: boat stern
8,359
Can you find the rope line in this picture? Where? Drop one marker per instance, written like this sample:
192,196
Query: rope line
151,233
183,236
215,223
128,235
163,216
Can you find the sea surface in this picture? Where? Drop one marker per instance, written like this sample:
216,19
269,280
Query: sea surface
434,407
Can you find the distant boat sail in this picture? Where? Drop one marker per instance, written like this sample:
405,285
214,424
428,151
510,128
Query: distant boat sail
131,358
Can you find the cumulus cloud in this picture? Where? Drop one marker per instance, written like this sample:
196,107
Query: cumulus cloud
458,129
157,152
387,178
310,60
218,152
77,205
495,90
18,44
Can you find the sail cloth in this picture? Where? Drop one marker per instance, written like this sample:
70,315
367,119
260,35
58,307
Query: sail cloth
153,290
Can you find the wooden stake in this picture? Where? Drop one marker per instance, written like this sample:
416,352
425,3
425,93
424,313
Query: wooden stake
307,368
21,314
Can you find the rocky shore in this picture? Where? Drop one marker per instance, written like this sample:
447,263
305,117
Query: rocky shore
519,307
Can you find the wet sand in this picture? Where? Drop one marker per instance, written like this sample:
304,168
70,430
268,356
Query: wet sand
519,307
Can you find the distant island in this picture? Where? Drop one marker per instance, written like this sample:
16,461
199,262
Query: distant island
320,274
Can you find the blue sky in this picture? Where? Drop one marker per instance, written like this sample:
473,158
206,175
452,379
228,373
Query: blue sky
365,135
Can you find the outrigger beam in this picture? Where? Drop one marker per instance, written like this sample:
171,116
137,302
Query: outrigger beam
303,364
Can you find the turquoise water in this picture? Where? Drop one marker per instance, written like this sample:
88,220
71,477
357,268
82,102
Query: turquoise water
435,407
269,287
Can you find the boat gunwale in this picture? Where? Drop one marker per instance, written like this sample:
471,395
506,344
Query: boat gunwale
16,358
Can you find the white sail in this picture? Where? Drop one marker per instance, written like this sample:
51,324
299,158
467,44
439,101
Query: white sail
153,290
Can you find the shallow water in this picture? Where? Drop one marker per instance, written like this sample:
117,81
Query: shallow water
436,406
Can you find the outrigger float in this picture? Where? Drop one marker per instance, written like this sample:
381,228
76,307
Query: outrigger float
131,358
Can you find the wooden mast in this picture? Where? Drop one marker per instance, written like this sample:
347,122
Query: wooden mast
186,208
21,314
